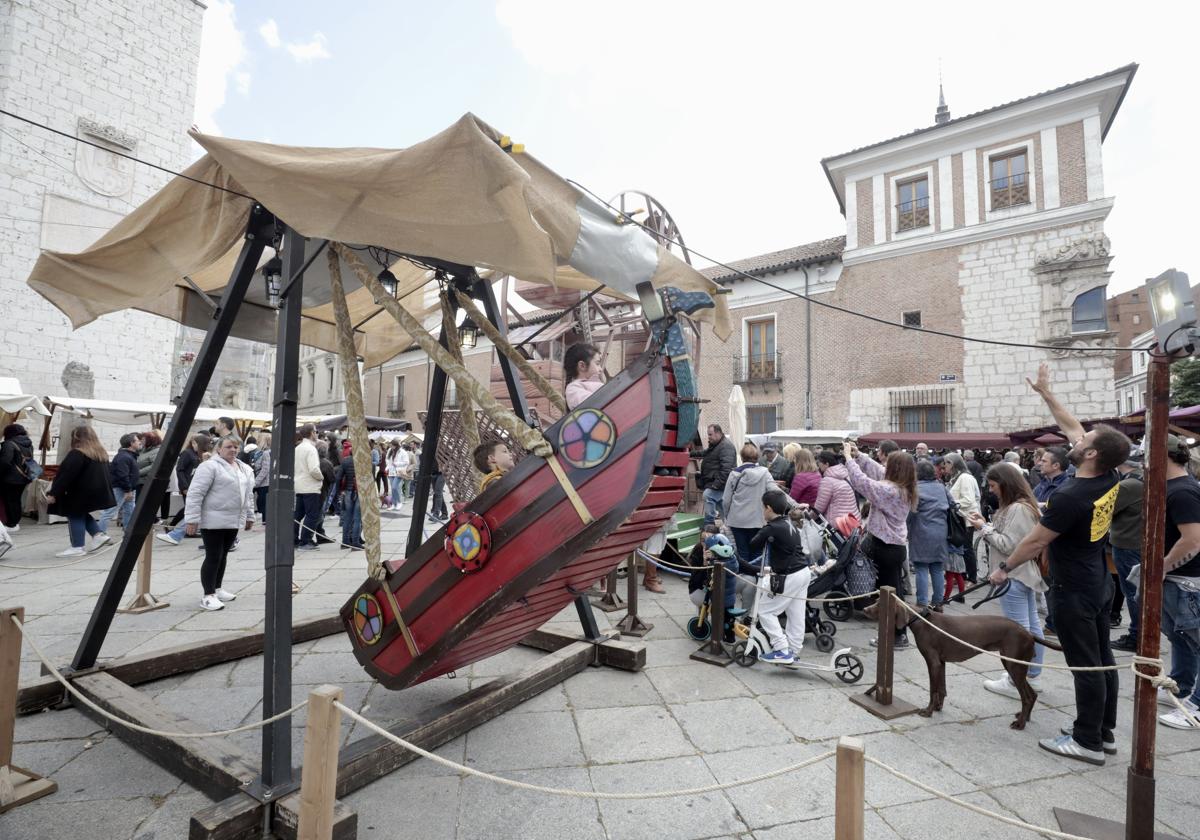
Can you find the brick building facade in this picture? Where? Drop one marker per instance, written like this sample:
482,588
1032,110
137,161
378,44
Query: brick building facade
988,226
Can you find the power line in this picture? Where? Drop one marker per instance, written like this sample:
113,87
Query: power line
662,237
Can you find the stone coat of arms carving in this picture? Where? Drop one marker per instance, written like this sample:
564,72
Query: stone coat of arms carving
99,168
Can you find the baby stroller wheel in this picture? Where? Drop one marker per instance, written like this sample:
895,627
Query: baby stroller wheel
828,628
824,642
697,629
849,668
838,610
741,657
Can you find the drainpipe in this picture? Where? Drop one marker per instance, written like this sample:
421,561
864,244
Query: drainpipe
808,418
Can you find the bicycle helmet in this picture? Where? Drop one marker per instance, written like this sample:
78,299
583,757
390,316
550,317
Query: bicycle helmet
723,550
715,539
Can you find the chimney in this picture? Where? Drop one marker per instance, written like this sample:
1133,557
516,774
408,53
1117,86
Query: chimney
942,116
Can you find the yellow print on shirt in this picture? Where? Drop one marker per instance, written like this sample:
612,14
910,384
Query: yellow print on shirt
1102,513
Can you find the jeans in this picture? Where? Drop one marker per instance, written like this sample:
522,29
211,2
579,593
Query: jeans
308,509
1081,617
351,519
260,501
78,524
397,489
406,487
437,496
217,542
1125,559
712,505
924,572
741,541
125,507
1020,604
1181,624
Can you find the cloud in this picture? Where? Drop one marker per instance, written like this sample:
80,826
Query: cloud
312,51
242,81
270,33
222,51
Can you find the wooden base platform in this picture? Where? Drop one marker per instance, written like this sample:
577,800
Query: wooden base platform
889,711
1089,825
27,786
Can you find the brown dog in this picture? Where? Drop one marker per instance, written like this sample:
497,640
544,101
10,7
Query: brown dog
990,632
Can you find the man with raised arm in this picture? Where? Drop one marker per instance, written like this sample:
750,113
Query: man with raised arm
1077,518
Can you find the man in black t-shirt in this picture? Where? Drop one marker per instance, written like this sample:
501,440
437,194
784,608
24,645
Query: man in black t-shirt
1077,518
1181,586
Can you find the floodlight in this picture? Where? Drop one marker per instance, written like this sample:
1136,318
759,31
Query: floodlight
1172,309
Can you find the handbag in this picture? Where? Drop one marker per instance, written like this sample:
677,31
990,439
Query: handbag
956,528
860,572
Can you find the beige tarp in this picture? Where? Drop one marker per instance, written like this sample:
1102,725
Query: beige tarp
458,197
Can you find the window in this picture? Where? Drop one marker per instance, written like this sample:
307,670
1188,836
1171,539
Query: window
761,419
1137,319
451,393
329,368
396,400
911,319
1129,402
1087,312
761,362
912,211
1010,180
312,383
923,418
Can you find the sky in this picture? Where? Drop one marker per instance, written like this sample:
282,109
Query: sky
721,111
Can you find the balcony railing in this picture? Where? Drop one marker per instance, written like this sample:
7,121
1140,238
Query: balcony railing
1010,190
395,405
911,215
760,367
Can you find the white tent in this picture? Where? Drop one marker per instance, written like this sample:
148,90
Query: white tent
13,402
737,417
134,414
805,437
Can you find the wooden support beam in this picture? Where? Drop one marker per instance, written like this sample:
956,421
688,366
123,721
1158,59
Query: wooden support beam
214,766
318,779
143,601
17,785
850,789
611,651
46,692
240,817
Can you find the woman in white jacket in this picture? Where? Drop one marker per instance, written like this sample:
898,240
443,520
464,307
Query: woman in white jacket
220,500
964,491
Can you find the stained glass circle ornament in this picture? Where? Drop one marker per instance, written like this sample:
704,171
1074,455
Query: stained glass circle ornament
468,541
587,438
368,619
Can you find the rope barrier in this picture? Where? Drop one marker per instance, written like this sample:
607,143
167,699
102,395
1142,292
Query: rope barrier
87,556
578,794
1013,821
645,555
74,692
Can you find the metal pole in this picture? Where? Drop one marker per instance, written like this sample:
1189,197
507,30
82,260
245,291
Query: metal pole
1139,791
808,413
257,237
279,553
433,431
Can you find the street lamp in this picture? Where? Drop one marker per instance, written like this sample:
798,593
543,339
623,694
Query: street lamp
388,281
272,271
1173,311
468,334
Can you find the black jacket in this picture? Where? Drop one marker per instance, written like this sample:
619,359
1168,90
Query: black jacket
328,476
123,471
185,467
81,485
787,552
13,453
345,474
716,464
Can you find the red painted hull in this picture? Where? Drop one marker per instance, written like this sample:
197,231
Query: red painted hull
540,553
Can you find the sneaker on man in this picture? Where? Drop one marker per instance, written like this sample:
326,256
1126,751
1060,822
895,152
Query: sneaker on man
1167,698
1109,745
1003,685
1126,642
224,597
901,643
306,547
777,657
1068,747
211,602
166,537
100,540
71,552
1178,720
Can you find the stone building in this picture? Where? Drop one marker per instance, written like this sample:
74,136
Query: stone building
988,226
122,76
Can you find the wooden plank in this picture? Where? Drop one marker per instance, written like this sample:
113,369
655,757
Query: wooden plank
371,758
321,735
615,652
46,691
10,669
238,817
215,766
27,786
849,804
286,816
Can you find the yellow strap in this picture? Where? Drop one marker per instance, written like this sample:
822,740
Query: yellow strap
408,639
569,489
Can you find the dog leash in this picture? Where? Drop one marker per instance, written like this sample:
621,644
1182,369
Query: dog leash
960,598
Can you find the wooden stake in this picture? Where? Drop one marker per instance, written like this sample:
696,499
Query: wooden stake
878,699
713,651
17,786
632,624
851,785
143,601
318,781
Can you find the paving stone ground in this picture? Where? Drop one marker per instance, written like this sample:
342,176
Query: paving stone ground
680,723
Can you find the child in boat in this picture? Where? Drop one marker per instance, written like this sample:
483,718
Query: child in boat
492,460
583,373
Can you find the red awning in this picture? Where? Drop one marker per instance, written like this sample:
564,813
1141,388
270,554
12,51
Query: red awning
940,440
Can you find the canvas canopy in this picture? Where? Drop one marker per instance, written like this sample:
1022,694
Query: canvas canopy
457,197
133,414
13,402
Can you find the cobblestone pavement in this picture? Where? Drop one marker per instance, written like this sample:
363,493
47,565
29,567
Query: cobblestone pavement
679,723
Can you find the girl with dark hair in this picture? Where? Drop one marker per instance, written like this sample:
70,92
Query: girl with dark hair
196,452
893,495
151,441
81,486
14,478
583,374
927,544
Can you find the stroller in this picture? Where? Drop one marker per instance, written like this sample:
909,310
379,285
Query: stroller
852,574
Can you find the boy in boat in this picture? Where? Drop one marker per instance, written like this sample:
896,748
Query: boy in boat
493,460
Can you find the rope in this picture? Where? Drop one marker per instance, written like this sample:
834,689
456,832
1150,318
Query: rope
1013,821
645,555
577,794
316,533
466,410
87,556
74,692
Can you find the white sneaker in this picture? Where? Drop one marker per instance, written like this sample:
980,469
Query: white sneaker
1165,696
224,596
12,529
71,552
1178,720
167,538
100,540
1002,685
211,602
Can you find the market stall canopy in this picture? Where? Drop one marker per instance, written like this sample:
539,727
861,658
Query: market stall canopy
804,437
458,197
940,440
374,424
133,414
13,402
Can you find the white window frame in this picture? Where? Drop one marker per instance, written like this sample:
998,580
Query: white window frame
934,212
1033,169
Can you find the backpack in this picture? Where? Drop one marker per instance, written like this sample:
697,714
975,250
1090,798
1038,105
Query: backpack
27,466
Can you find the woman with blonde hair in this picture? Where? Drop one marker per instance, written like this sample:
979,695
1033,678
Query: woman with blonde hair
220,499
81,486
807,480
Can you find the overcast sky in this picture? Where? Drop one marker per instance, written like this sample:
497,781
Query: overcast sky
722,111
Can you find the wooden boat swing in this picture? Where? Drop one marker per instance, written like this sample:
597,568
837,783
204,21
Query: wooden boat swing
527,546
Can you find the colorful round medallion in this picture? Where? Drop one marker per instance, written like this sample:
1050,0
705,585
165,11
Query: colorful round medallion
368,619
587,438
468,541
